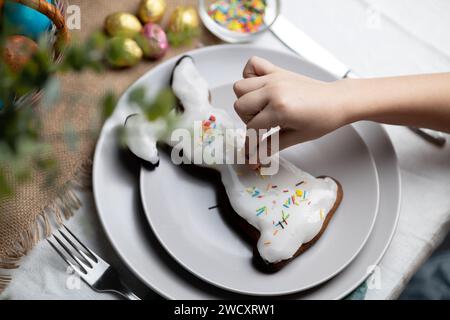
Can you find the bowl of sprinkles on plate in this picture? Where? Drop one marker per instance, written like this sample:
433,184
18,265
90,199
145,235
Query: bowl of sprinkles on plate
238,21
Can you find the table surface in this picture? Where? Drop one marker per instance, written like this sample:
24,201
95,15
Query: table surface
375,38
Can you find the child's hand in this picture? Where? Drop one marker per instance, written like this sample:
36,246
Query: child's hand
304,108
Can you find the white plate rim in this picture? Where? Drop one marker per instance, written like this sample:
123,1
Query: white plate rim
112,122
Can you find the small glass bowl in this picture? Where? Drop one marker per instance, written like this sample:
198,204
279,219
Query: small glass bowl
271,14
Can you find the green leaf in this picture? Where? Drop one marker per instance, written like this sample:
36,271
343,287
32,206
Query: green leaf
137,96
122,136
109,103
161,106
97,41
177,39
5,188
75,59
50,93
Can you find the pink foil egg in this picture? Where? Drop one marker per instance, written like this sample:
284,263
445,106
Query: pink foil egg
154,41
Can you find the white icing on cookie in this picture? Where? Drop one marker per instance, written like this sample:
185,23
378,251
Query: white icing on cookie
287,208
142,136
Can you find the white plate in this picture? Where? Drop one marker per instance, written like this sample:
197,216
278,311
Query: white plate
176,201
117,198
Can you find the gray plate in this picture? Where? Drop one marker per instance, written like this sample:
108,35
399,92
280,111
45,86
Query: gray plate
117,195
176,201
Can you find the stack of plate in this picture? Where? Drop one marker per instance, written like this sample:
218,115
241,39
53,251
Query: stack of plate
165,225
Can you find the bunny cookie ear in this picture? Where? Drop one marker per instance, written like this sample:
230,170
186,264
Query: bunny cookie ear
191,91
176,65
189,86
142,136
179,106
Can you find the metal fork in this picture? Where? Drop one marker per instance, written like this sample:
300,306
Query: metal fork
97,273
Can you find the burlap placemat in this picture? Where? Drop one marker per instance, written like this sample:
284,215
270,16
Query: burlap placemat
71,127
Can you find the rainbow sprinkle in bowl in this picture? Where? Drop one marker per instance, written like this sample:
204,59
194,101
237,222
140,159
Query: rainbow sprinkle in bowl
238,21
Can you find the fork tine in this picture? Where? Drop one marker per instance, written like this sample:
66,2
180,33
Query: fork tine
65,259
89,260
80,263
93,255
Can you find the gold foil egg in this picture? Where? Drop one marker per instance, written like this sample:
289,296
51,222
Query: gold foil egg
123,52
152,10
122,24
183,19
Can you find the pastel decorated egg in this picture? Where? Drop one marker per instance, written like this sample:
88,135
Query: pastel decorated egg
122,24
183,19
123,52
153,41
152,10
18,51
25,20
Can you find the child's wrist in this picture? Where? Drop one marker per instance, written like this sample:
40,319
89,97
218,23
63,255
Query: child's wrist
347,101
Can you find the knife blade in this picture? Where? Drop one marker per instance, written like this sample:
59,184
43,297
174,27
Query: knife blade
301,44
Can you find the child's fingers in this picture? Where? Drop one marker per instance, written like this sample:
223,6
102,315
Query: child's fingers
244,86
251,104
265,119
257,127
257,67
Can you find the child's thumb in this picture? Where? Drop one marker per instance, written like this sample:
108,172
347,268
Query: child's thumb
257,67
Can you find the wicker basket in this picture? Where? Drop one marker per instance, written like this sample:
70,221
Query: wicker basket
58,35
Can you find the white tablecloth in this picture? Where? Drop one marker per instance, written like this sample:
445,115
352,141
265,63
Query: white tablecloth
375,38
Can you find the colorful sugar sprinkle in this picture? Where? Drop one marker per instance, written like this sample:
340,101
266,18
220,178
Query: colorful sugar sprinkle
254,192
287,203
209,131
280,224
244,16
321,214
261,210
305,194
284,216
267,243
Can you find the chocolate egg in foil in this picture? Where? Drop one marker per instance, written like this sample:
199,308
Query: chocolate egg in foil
183,19
153,41
152,10
122,24
123,52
